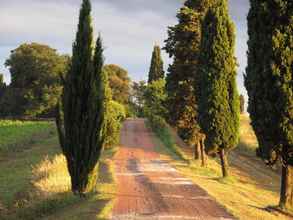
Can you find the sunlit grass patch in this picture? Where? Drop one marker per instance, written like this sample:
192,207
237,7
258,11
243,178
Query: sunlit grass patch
96,205
248,141
16,171
51,176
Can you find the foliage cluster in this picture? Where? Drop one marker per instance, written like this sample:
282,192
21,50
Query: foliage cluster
155,98
136,102
157,66
219,100
269,83
115,116
35,81
119,83
183,44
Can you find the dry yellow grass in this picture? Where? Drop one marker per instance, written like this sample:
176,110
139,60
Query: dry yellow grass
97,205
51,176
251,189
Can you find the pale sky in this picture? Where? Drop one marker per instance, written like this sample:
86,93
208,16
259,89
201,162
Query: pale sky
129,29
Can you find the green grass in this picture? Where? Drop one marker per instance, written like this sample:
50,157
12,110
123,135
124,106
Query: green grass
17,134
166,137
35,184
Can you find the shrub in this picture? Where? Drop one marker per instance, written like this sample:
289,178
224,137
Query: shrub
116,114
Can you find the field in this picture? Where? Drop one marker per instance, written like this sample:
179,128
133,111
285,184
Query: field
251,190
34,183
17,134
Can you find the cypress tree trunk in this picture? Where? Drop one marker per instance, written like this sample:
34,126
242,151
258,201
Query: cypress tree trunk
202,153
197,151
224,163
286,195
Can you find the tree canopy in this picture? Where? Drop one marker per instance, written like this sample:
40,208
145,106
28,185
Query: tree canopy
155,98
183,45
35,80
119,82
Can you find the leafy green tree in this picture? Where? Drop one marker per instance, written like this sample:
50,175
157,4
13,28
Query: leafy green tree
219,100
157,66
155,98
35,70
269,84
183,45
119,83
137,98
242,103
86,95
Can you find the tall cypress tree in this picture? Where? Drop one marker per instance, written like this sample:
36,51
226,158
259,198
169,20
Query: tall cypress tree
84,102
157,66
269,84
183,44
219,100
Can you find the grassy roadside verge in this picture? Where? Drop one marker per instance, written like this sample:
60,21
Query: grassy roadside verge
166,138
243,196
34,184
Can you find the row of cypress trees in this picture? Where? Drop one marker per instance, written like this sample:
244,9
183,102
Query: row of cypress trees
201,82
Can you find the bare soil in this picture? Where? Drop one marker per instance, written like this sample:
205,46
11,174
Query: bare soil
150,188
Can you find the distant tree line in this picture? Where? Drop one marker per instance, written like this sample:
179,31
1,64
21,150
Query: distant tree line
36,82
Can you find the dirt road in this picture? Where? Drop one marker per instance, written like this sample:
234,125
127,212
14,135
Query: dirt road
150,188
